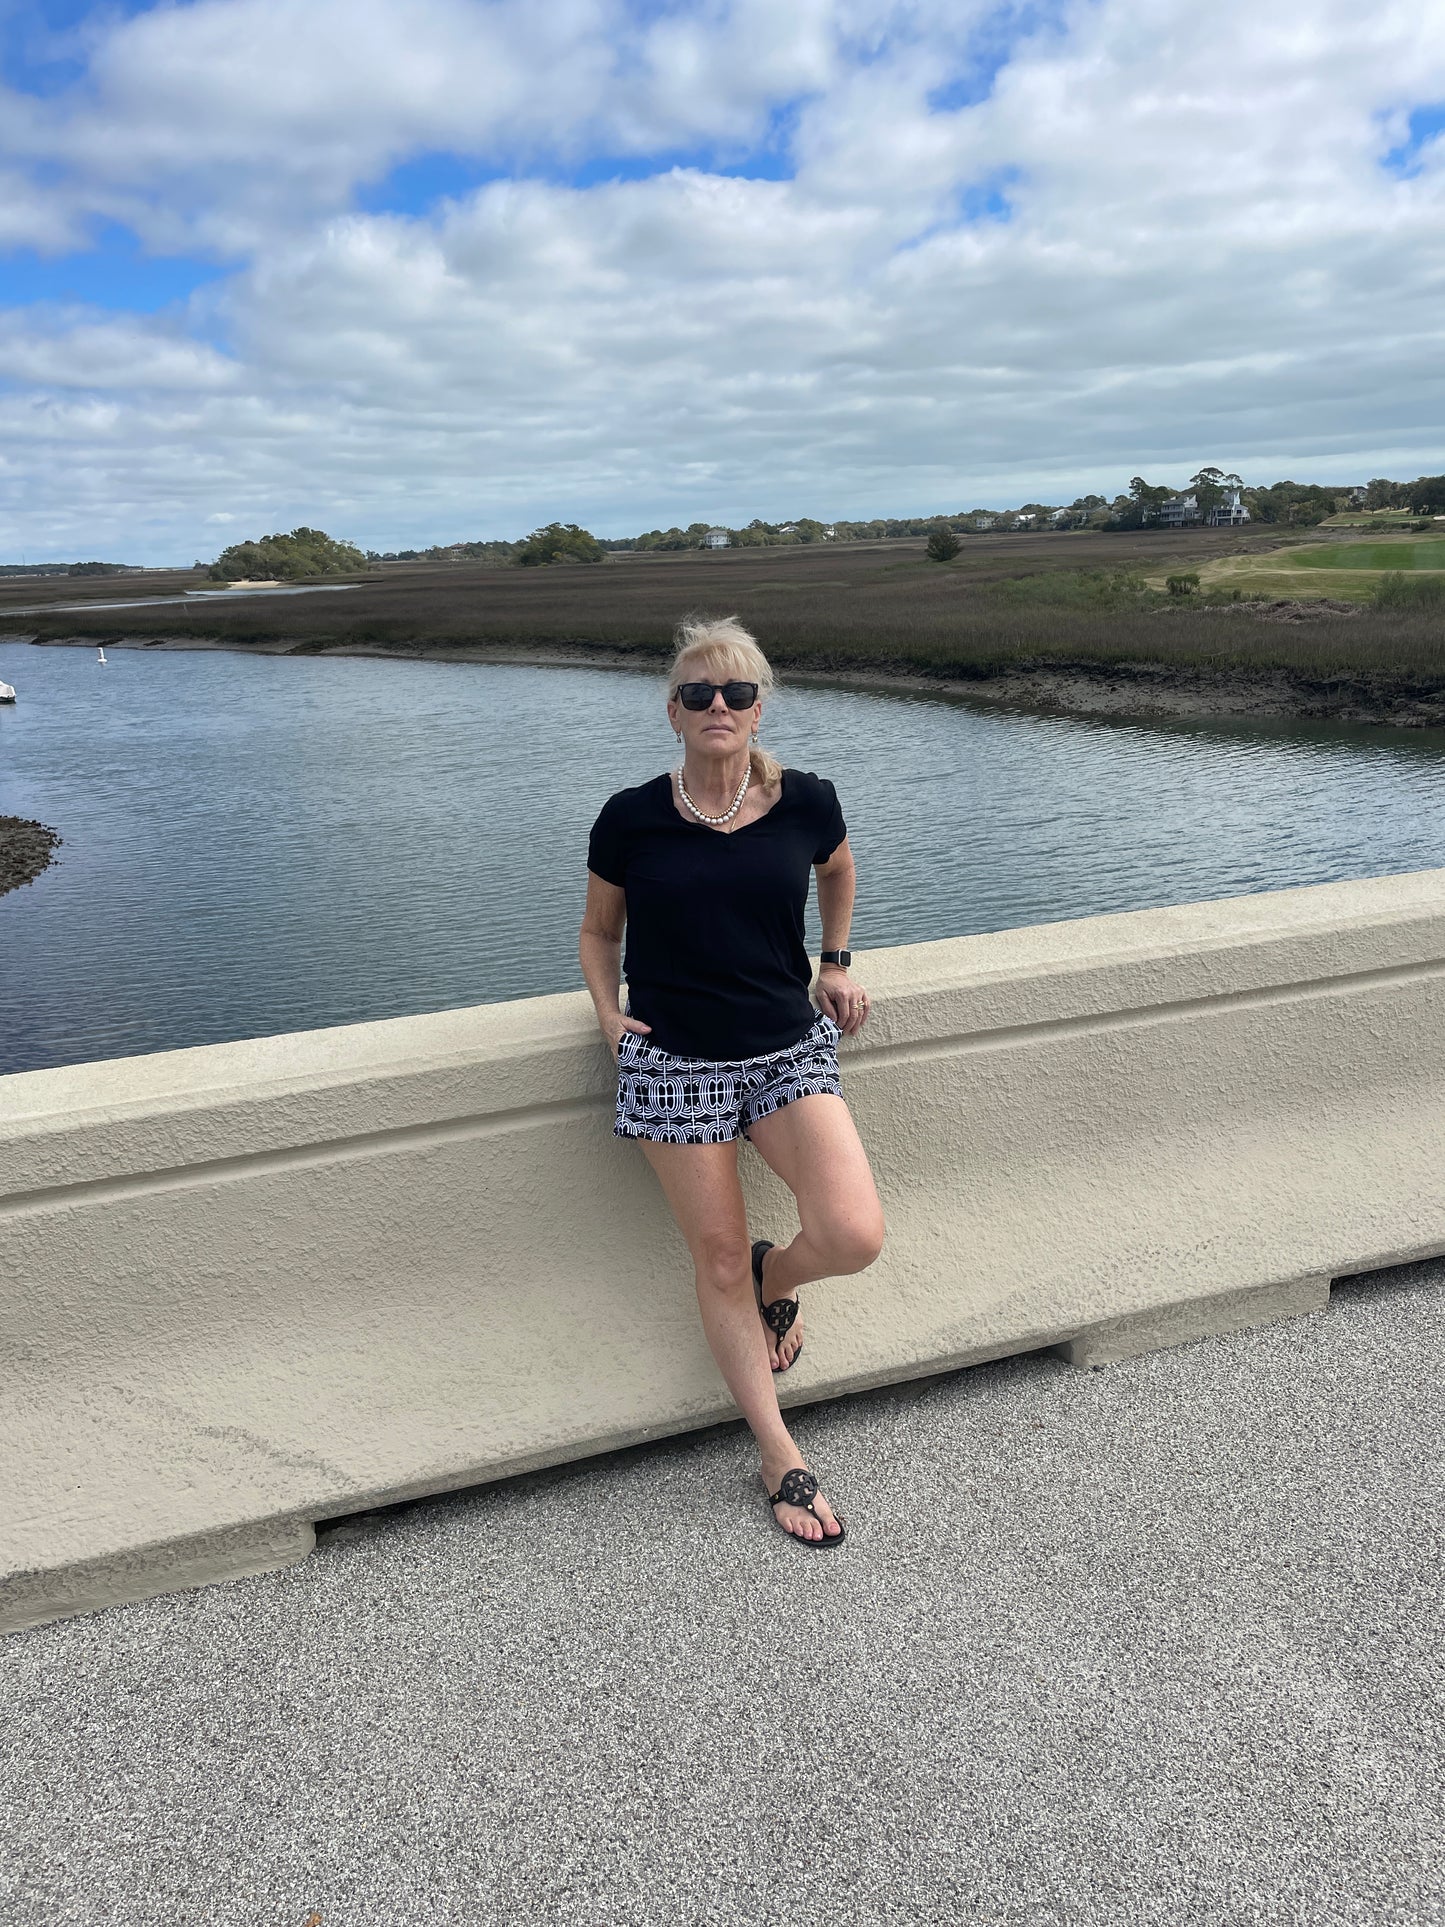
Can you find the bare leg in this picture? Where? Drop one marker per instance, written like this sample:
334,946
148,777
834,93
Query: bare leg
700,1182
814,1147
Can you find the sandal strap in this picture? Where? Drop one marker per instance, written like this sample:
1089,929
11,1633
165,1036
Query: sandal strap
779,1314
797,1487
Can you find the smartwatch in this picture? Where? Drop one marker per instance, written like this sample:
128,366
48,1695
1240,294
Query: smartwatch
840,957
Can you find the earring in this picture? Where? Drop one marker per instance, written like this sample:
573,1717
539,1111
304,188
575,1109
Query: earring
678,734
755,735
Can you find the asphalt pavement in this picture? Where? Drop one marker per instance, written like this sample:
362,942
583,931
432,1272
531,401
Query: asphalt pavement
1158,1643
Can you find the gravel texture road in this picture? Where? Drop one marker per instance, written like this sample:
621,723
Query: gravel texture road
1159,1643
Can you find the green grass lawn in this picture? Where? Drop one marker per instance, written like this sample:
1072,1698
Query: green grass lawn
1341,571
1381,520
1427,552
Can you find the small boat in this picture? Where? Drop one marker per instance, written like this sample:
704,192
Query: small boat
7,694
100,655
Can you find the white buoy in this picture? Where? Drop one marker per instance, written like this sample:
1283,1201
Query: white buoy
100,655
7,694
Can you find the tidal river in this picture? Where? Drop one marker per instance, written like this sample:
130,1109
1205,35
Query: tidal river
257,844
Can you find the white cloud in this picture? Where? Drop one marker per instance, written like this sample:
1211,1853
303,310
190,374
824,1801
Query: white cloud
221,122
116,354
1207,259
34,216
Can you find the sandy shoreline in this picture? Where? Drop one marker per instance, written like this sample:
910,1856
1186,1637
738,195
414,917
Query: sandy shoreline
1138,690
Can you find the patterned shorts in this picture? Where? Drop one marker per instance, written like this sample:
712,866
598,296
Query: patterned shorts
691,1100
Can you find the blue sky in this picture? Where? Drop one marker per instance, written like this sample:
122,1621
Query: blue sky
111,271
453,267
34,55
1422,125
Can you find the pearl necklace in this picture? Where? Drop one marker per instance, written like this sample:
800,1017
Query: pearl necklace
728,814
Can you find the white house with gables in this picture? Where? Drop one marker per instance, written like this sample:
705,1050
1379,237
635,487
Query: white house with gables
1182,509
1229,513
717,539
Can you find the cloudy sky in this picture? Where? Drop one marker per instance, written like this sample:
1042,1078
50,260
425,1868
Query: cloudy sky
417,270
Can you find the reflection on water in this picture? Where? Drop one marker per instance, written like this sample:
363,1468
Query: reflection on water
262,844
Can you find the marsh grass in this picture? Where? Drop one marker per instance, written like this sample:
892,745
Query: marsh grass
1073,602
1088,589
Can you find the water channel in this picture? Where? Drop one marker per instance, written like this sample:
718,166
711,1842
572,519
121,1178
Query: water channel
256,844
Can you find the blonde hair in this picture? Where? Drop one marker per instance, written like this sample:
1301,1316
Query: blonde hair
725,652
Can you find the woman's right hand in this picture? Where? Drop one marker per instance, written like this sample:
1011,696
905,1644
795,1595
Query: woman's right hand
615,1031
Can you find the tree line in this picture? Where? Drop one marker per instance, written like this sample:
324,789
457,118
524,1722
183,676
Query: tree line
310,552
1424,496
1289,504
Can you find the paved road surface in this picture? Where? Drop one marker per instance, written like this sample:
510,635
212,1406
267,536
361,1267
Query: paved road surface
1159,1643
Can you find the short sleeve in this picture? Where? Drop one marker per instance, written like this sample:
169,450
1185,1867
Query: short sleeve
606,856
831,827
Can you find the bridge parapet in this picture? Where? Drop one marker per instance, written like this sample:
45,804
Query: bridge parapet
250,1286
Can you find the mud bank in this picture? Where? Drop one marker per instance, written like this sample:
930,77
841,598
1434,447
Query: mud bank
26,848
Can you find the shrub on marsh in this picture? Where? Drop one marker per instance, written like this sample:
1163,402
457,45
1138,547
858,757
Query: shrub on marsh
287,558
1399,591
1092,589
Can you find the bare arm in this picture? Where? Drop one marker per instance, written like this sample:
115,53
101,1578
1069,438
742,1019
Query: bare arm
599,949
838,995
837,885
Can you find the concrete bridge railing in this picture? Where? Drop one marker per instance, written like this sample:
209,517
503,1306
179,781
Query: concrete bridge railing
253,1285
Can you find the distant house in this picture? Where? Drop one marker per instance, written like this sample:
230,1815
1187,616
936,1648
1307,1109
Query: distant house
982,522
1229,513
788,528
717,539
1062,518
1178,510
1025,521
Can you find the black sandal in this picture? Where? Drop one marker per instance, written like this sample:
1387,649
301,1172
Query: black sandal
800,1488
778,1315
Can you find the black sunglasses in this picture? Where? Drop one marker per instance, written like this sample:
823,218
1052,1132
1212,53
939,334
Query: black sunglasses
699,695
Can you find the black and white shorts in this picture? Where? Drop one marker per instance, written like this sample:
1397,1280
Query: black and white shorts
692,1100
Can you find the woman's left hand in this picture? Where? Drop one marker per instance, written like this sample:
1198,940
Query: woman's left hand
842,1000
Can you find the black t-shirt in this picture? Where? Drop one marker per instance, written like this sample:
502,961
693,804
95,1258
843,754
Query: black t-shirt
716,961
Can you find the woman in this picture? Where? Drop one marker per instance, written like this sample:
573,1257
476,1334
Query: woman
707,870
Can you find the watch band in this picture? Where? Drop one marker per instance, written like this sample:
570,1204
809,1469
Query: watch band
840,957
